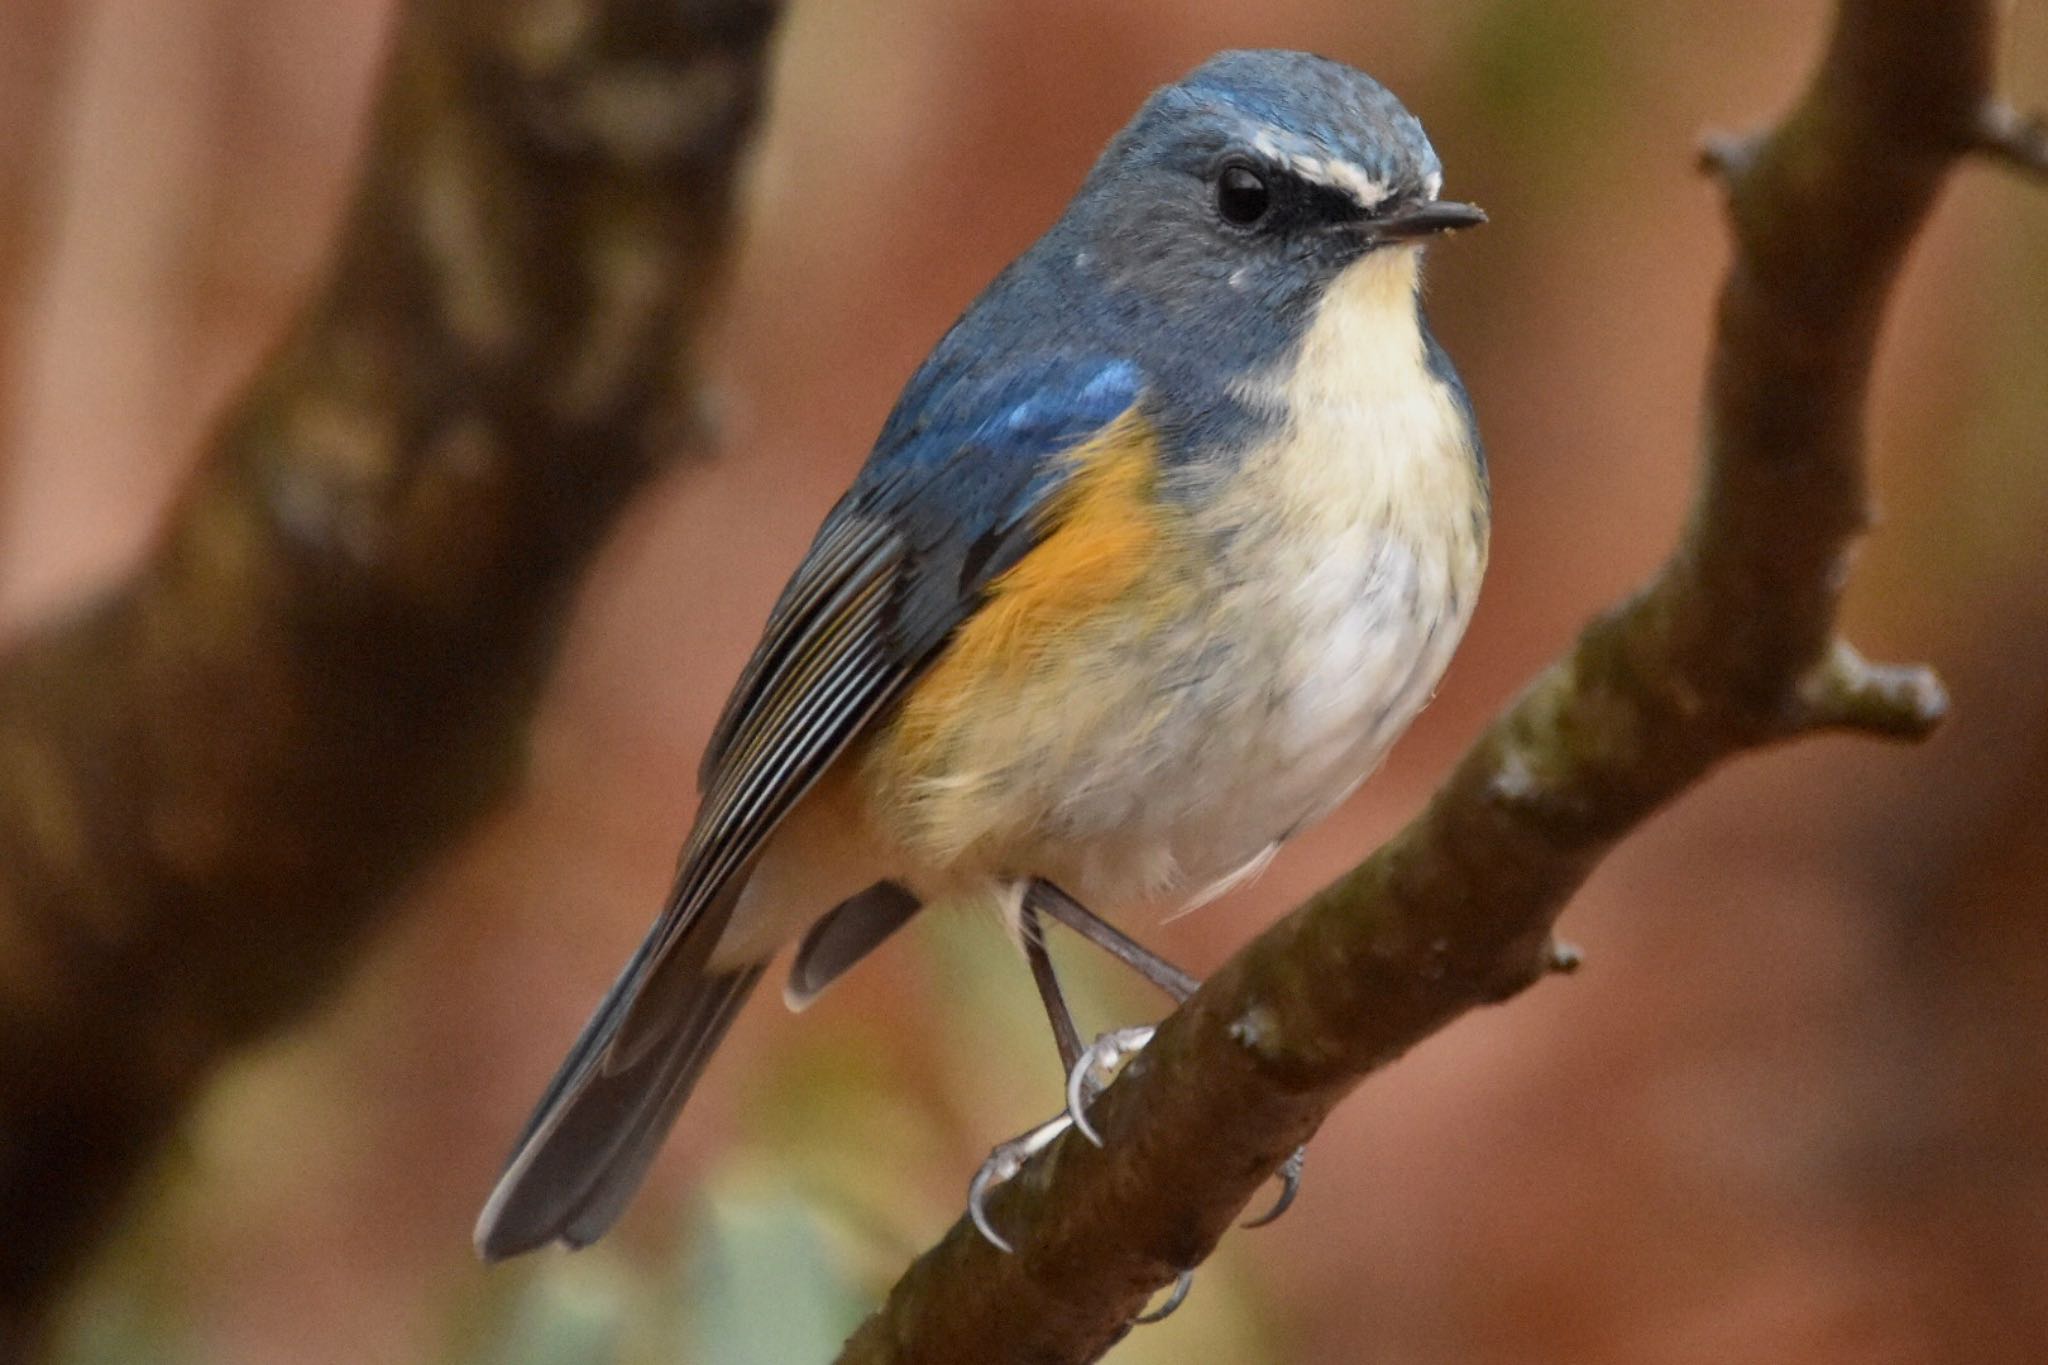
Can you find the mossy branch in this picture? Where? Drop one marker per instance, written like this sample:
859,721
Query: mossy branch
212,780
1732,647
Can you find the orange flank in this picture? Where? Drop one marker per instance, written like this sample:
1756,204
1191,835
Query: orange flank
1104,533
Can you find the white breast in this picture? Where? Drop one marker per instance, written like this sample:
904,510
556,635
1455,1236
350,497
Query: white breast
1379,540
1352,544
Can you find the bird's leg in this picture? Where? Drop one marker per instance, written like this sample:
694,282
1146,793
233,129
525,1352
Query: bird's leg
1089,1069
1009,1158
1066,1036
1097,1065
1114,941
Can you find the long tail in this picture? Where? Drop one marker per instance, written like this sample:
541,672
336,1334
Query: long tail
596,1130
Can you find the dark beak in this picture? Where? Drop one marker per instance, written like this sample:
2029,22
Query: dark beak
1426,219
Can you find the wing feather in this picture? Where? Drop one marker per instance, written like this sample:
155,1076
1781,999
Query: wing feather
942,506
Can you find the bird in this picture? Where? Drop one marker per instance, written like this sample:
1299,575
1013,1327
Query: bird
1165,543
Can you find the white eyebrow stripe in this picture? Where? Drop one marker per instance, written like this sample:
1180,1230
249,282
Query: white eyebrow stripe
1323,170
1342,175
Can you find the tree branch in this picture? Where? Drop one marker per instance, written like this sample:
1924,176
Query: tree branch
211,781
1730,648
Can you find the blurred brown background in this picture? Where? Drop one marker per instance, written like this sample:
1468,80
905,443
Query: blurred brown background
1794,1109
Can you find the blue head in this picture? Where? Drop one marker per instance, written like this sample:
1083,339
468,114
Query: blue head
1252,184
1263,194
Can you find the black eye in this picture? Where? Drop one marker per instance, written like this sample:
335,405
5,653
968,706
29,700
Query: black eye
1241,195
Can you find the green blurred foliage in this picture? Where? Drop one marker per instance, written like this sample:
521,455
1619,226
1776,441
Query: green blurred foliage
125,1317
1549,74
572,1312
766,1287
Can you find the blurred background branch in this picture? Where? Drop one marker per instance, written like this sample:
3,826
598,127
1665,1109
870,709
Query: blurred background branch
1731,648
213,778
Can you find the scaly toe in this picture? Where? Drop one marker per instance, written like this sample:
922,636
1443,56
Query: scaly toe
1002,1165
1096,1068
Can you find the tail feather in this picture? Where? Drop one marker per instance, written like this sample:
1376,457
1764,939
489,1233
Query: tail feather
596,1130
570,1179
846,934
641,1136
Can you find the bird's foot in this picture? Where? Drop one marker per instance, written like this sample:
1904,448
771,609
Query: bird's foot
1096,1067
1100,1063
1002,1165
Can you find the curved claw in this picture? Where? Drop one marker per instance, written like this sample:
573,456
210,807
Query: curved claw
1003,1164
1174,1300
1096,1068
1290,1185
977,1191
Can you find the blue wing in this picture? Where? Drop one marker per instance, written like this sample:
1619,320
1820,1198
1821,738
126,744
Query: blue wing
947,501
